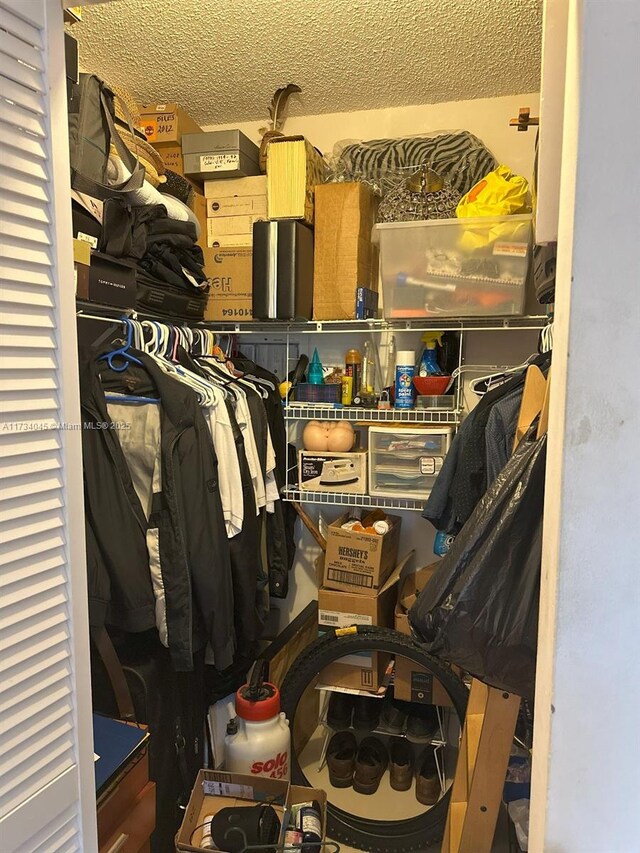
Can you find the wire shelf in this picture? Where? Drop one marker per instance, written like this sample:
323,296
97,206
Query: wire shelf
355,413
343,499
443,324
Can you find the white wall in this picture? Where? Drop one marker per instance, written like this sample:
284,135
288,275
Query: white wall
487,118
586,765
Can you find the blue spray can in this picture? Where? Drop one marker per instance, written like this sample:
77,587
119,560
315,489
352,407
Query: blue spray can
405,369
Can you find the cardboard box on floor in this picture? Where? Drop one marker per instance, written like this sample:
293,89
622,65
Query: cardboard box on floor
338,609
230,273
412,683
215,790
344,256
360,562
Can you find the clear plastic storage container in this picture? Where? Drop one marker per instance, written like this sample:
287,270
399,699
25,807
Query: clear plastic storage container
454,267
405,462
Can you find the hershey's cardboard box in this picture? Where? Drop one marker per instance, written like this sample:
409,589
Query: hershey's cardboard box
345,257
360,562
333,472
412,683
338,609
230,274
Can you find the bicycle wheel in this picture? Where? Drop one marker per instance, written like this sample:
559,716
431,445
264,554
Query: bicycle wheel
379,836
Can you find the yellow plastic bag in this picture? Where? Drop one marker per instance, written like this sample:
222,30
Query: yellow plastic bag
500,193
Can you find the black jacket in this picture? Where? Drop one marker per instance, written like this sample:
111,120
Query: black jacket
192,587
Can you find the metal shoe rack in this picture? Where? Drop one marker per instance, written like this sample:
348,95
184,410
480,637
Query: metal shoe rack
439,743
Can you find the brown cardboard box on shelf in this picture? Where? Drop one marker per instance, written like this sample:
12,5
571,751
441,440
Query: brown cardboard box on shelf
164,125
225,226
360,562
229,187
230,273
344,258
412,683
338,609
237,205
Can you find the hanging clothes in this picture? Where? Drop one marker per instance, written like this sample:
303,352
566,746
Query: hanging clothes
478,452
157,538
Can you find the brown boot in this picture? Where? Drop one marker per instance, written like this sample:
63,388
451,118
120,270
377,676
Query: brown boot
400,765
371,762
427,779
341,759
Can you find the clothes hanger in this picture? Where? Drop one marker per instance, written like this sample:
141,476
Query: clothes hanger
122,352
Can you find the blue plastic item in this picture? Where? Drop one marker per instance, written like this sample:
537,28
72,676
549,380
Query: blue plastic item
314,374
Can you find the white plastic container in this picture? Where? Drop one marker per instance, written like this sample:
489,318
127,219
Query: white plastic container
258,740
454,267
404,463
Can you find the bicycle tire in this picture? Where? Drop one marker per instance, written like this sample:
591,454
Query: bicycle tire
403,836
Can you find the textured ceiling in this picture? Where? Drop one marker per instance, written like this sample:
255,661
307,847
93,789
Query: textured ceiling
223,59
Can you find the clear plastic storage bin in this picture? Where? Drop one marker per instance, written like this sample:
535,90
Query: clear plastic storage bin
454,267
405,462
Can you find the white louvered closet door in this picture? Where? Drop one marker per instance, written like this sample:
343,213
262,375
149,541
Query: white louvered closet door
47,801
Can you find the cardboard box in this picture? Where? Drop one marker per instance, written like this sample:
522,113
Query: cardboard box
333,472
360,561
411,682
221,153
361,671
226,226
232,241
229,187
230,283
345,258
164,124
238,205
215,790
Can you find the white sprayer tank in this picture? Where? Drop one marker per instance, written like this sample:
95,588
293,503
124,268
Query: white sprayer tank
258,740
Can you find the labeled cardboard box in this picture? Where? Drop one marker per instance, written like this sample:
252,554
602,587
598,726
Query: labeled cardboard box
232,241
342,609
412,683
345,257
230,283
238,205
215,790
164,126
219,153
360,562
251,186
332,472
225,226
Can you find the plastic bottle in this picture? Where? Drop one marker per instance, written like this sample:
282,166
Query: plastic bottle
353,368
314,373
258,739
405,370
311,826
429,360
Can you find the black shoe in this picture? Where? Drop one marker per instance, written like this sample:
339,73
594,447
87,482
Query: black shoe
371,762
423,725
393,717
340,711
400,764
366,713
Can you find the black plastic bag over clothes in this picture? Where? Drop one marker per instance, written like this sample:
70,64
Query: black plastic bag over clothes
480,609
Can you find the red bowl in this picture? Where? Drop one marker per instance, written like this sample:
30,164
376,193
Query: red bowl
431,385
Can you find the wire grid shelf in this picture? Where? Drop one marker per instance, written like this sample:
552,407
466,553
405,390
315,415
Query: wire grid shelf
354,413
342,499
